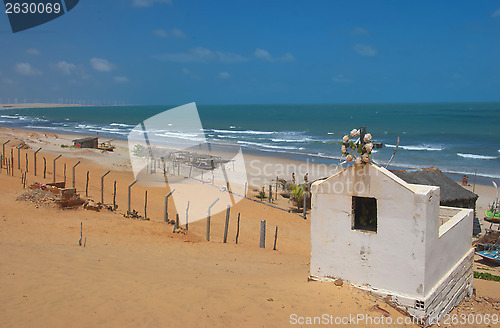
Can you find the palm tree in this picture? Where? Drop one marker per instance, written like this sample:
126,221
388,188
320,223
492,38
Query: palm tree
297,195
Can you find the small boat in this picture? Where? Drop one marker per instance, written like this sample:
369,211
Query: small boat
493,213
106,146
493,255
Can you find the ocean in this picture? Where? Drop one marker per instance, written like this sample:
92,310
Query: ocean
461,138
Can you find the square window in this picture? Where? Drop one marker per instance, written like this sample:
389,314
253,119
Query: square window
364,210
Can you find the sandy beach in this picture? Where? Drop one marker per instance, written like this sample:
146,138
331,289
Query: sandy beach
140,273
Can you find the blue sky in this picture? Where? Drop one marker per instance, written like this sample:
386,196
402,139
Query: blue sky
159,52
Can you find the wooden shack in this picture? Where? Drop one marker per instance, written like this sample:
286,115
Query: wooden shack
88,142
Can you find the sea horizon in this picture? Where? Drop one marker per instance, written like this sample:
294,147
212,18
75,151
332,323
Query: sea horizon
456,137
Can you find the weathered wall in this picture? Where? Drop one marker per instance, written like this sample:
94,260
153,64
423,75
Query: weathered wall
391,259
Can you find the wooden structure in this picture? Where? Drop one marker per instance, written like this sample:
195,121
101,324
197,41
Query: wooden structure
87,142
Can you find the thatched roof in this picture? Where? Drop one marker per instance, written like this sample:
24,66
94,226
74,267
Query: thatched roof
451,191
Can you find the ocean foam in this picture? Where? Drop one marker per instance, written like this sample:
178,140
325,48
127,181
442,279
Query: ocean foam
242,131
474,156
249,143
418,148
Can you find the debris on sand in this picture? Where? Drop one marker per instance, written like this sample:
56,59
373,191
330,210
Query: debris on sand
52,194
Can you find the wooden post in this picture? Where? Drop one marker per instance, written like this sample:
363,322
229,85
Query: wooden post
81,233
64,173
165,212
44,166
87,186
26,162
275,238
34,158
263,234
54,168
238,229
187,217
74,166
102,187
145,204
24,181
305,198
246,189
19,157
270,193
12,161
114,196
1,161
176,226
227,224
3,151
130,186
208,219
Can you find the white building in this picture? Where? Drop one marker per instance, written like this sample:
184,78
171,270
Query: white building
379,233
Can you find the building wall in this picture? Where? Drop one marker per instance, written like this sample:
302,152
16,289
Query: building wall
446,246
391,259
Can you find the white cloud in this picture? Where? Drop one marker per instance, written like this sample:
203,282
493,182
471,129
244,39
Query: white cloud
101,65
32,51
200,55
149,3
224,75
65,67
265,55
359,31
189,73
262,54
339,78
27,69
6,80
496,13
365,50
121,79
172,33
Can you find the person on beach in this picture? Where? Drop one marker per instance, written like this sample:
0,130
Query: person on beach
293,177
306,177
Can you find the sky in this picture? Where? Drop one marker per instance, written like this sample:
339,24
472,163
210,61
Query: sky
159,52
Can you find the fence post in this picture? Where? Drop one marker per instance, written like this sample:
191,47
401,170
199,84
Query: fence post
305,197
130,186
102,187
270,194
238,229
26,162
19,157
54,168
87,186
114,196
187,219
275,238
74,166
227,224
3,150
34,158
145,205
64,174
165,213
208,219
263,234
44,166
246,189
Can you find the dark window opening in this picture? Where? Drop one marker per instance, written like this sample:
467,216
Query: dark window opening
364,210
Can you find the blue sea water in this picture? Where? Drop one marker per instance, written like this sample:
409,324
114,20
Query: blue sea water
455,137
